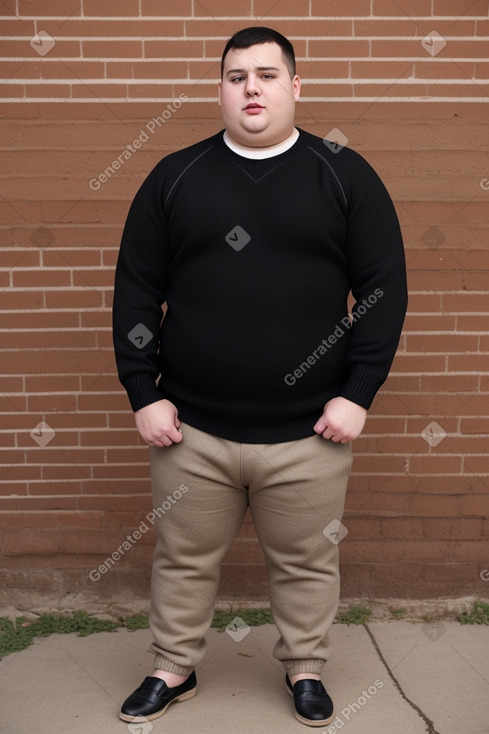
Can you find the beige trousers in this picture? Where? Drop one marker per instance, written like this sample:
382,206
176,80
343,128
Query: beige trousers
201,489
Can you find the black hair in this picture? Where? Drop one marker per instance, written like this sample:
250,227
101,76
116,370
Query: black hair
258,34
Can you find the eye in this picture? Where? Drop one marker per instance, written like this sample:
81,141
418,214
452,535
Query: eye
237,78
268,76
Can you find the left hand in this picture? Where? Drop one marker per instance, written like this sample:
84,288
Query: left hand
341,421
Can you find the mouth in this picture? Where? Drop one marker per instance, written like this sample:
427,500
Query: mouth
253,108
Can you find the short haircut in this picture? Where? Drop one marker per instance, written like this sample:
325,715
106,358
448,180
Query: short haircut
258,34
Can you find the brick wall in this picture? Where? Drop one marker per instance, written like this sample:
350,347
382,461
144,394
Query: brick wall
131,80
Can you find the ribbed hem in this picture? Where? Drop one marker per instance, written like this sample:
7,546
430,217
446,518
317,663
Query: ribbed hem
294,667
259,431
161,663
362,387
141,390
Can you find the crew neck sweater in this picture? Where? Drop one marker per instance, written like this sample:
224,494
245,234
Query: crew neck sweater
255,260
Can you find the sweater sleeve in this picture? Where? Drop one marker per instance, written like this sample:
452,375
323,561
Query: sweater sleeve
378,282
140,291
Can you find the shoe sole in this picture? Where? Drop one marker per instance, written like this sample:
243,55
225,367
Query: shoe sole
310,722
140,719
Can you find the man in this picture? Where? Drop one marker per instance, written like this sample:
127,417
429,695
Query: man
252,387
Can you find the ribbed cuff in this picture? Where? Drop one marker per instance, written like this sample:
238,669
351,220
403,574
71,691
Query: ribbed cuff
161,663
362,387
294,667
141,390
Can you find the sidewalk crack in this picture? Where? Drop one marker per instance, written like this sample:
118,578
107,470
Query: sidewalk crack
430,727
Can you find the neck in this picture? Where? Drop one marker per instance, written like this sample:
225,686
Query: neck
262,151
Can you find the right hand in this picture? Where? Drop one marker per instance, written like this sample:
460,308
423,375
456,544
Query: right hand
158,423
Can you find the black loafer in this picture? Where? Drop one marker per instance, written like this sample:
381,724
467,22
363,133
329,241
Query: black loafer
153,697
313,706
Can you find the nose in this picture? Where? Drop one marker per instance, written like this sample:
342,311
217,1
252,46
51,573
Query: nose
252,86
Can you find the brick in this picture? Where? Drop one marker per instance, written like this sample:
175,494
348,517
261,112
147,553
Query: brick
108,438
14,519
426,69
345,8
11,384
88,90
460,8
338,48
477,465
137,503
85,298
362,527
419,550
402,527
126,472
481,70
376,503
49,8
474,425
430,323
421,364
23,49
18,472
153,8
465,302
20,70
143,69
218,8
476,363
402,8
42,320
122,8
447,343
43,404
380,464
182,48
472,323
422,505
377,69
39,278
8,7
19,258
449,383
435,464
457,528
112,49
473,505
160,90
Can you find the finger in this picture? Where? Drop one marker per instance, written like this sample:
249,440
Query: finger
328,434
174,435
165,441
320,425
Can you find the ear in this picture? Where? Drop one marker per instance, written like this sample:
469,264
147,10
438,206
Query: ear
296,87
219,93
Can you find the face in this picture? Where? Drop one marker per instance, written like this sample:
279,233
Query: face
257,95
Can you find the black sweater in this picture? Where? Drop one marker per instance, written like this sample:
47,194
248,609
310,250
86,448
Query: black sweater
255,260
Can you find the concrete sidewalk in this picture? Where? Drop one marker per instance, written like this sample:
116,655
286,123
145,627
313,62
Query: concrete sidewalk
386,678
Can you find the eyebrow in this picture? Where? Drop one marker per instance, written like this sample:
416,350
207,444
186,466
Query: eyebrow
259,68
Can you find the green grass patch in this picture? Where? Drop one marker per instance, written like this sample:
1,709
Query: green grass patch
479,614
252,617
398,613
354,615
19,634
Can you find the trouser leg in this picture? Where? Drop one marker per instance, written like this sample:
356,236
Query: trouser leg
295,490
201,475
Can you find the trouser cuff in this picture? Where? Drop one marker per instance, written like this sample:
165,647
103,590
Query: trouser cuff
294,667
161,663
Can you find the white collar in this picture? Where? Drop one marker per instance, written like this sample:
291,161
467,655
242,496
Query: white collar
261,152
